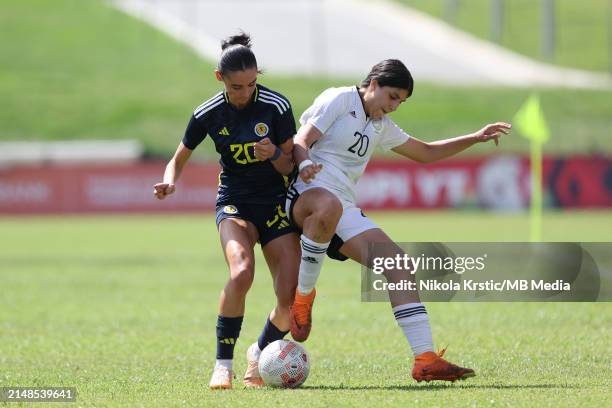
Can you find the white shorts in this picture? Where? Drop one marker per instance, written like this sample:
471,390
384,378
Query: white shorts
352,222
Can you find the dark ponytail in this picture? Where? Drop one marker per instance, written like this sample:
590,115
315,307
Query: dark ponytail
390,72
237,54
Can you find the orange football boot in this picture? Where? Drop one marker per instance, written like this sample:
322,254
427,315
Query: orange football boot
301,315
430,366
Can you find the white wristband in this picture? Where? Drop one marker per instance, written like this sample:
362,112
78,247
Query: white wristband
305,163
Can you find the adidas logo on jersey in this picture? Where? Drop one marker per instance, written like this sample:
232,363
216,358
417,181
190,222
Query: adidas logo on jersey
353,114
224,132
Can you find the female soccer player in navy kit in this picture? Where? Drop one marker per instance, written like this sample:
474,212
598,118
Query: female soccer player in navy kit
252,128
338,135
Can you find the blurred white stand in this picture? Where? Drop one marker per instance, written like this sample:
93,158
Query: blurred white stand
345,38
64,152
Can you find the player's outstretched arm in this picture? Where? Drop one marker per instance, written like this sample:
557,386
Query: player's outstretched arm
173,171
424,152
306,136
281,156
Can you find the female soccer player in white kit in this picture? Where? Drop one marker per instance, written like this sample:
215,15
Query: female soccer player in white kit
338,135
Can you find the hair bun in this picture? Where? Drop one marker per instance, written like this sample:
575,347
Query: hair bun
239,39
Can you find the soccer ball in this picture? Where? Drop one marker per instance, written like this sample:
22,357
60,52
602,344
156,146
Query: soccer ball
284,363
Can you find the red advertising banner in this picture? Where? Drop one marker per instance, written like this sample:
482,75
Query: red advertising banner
104,188
498,182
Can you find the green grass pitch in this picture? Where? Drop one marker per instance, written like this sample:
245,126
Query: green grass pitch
124,309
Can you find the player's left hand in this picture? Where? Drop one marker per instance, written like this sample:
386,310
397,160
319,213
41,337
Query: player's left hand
493,131
264,149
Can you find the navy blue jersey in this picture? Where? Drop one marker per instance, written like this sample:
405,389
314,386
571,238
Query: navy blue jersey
243,178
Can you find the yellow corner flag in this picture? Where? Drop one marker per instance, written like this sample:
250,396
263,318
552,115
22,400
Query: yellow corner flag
530,122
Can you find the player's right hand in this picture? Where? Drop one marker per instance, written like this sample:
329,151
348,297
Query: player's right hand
161,190
308,173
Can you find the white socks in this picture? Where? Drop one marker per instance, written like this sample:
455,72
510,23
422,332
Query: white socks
313,254
225,363
414,321
254,351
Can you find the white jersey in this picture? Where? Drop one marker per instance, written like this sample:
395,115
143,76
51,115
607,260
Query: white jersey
349,139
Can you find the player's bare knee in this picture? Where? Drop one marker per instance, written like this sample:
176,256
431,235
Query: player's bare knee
241,279
327,215
326,223
332,207
323,200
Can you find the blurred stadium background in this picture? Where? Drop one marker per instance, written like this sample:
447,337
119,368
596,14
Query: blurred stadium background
86,83
100,281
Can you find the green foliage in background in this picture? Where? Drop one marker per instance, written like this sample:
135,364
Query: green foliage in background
72,69
581,27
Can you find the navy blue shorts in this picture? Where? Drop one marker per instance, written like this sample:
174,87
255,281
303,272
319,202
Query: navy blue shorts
269,219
